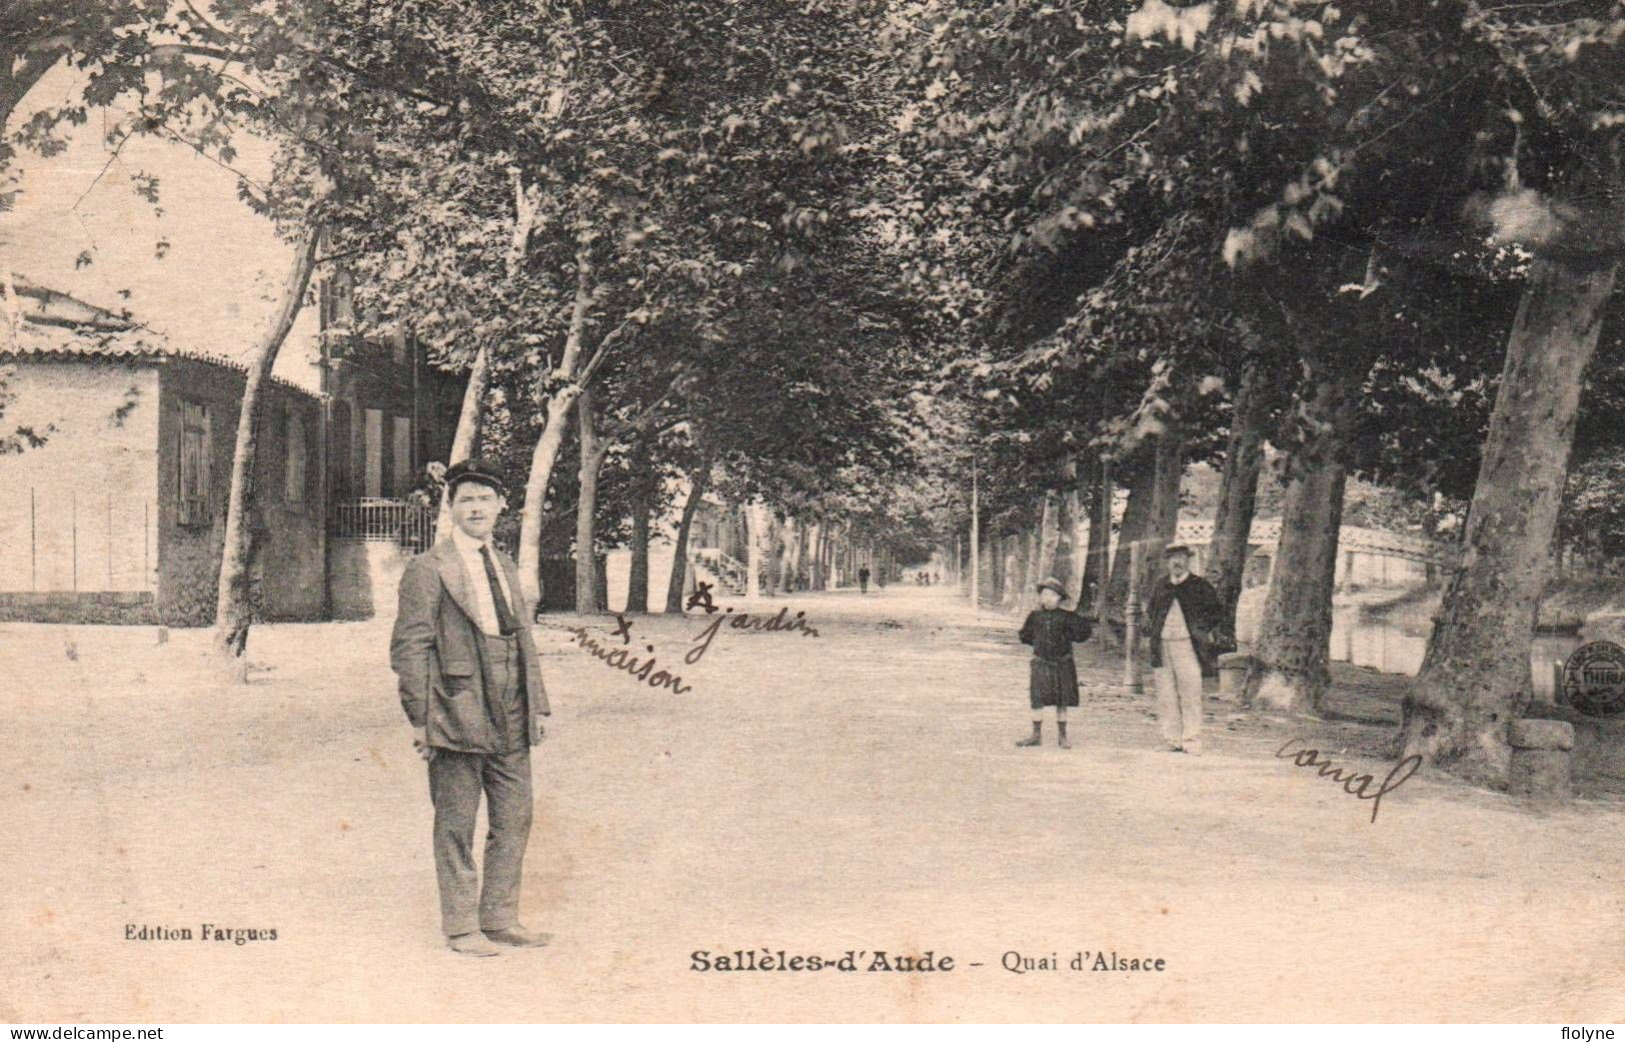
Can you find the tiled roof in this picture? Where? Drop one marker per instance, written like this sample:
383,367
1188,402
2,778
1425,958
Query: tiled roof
51,341
48,306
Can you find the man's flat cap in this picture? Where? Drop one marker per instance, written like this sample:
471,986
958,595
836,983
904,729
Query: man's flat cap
1054,584
475,470
1175,549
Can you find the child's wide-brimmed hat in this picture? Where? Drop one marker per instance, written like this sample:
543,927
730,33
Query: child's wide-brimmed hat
1054,584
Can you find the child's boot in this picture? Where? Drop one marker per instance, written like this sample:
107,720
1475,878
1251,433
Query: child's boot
1061,741
1033,739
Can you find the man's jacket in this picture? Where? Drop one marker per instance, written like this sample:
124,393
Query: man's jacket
1205,617
437,647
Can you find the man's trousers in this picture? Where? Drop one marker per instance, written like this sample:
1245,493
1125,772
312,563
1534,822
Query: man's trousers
1179,692
455,783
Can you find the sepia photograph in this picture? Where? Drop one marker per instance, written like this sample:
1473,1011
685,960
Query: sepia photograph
812,511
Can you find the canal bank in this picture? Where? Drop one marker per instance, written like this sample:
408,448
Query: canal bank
1380,636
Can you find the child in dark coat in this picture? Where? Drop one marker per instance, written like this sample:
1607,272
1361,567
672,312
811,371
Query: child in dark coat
1054,674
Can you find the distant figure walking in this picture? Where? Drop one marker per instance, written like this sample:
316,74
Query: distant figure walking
863,579
1054,674
1185,625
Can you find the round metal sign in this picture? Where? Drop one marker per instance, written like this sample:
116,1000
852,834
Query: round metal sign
1594,679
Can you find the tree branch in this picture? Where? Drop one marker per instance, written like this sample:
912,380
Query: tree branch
602,351
103,172
210,29
18,85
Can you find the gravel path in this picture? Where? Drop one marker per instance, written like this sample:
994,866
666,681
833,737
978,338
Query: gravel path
858,790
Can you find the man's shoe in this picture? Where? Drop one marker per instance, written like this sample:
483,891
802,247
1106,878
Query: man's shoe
1175,747
519,937
472,944
1063,743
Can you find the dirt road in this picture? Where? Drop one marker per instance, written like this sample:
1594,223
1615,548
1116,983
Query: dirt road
858,790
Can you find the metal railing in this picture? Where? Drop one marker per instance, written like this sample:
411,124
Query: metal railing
732,573
385,520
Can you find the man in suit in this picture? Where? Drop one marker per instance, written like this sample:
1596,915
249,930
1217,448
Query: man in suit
471,685
1186,621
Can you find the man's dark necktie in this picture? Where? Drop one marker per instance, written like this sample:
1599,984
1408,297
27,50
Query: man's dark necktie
505,623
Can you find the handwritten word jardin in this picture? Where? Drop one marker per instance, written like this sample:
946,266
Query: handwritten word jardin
780,623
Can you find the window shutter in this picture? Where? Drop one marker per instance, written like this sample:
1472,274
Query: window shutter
192,491
182,472
205,452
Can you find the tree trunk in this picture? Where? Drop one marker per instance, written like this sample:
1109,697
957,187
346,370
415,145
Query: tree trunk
1294,636
1169,469
798,574
546,454
1238,488
233,607
990,565
1006,568
1022,570
644,490
776,554
542,460
465,443
1475,676
1036,534
1137,518
753,553
1098,557
593,450
592,457
1064,565
1049,535
637,582
679,561
1151,518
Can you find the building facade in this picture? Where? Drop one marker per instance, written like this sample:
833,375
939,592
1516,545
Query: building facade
389,413
115,510
117,471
